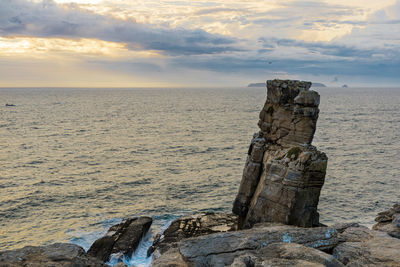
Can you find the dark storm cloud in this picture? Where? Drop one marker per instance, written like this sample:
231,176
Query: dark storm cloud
48,19
229,64
328,49
323,48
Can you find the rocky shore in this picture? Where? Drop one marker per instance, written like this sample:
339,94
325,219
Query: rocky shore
275,221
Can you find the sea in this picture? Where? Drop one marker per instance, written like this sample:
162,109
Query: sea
75,161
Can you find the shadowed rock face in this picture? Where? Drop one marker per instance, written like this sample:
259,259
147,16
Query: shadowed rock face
284,173
122,238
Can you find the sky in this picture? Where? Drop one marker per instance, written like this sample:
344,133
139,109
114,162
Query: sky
147,43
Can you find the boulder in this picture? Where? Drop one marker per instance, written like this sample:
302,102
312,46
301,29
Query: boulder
122,238
193,226
284,173
389,221
55,255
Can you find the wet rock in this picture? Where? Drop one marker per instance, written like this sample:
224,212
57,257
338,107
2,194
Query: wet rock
193,226
284,173
55,255
122,238
389,221
364,247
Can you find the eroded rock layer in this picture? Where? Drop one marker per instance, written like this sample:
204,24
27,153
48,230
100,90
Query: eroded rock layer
284,173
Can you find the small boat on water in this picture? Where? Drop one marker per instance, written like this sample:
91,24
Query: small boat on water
10,105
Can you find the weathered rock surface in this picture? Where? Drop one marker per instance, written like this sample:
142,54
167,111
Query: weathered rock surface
284,173
389,221
193,226
233,248
364,247
290,113
270,244
122,238
278,254
55,255
286,254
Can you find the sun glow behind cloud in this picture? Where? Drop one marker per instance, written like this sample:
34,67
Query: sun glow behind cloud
207,40
43,47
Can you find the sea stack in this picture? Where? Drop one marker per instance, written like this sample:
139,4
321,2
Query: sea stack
284,173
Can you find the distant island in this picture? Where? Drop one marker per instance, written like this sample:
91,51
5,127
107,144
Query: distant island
257,85
345,86
318,85
263,85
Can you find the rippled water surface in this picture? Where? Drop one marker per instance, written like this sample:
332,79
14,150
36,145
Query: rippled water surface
75,161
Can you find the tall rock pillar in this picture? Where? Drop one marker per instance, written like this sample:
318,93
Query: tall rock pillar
284,173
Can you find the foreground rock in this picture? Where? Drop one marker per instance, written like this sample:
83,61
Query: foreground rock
193,226
279,254
364,247
121,239
285,245
54,255
389,221
232,248
284,173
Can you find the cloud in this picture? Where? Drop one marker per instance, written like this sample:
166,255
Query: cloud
48,19
255,69
207,11
323,49
205,40
381,32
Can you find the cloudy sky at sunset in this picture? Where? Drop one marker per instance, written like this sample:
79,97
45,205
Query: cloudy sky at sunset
130,43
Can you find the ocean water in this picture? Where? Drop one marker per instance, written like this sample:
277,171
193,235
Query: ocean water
75,161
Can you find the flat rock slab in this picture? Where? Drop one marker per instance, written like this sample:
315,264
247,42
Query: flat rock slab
193,226
122,238
322,238
55,255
